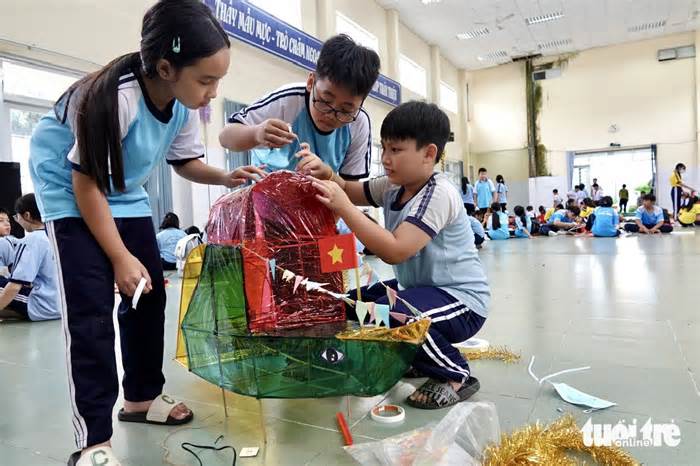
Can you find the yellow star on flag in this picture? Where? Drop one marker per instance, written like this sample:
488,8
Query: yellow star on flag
336,254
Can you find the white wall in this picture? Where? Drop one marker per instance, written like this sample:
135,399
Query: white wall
650,102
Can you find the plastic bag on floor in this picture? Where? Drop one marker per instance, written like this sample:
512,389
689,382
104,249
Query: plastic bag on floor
459,439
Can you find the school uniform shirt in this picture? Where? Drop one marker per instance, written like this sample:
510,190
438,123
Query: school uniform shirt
675,179
484,193
450,260
34,266
501,232
559,216
7,252
502,191
167,241
580,196
606,221
597,195
586,211
650,218
147,135
519,227
477,227
346,149
468,197
548,213
687,216
556,199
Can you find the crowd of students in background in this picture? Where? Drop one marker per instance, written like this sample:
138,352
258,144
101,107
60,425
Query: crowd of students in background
578,212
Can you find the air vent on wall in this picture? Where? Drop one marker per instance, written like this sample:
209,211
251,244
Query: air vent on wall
546,74
473,34
644,27
544,18
554,44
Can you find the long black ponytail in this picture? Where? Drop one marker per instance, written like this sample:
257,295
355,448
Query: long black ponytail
520,212
179,31
495,220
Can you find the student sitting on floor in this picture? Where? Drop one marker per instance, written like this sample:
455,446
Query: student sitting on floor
530,212
541,215
604,221
429,241
587,208
167,239
690,214
649,218
561,221
479,233
549,212
523,223
7,243
31,290
496,223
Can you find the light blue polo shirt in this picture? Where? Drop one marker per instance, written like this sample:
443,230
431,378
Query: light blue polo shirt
650,218
147,135
605,222
346,150
484,194
34,265
167,240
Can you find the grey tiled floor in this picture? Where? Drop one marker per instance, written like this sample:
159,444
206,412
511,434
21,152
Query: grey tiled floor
626,307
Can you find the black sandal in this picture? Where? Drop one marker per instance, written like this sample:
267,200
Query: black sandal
442,395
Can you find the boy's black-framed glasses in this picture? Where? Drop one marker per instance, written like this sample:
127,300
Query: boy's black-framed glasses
325,107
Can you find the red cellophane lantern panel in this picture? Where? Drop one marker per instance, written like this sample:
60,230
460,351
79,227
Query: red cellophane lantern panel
279,218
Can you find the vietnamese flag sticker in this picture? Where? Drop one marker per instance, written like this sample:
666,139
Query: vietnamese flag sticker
338,253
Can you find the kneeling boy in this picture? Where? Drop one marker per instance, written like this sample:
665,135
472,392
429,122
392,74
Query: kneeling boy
428,240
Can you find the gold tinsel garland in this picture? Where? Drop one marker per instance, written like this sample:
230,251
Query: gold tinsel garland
535,444
501,353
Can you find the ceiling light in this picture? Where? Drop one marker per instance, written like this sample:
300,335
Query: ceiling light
647,26
497,56
544,18
428,2
554,44
473,34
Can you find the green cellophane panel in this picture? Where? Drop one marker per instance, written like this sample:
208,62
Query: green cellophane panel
302,363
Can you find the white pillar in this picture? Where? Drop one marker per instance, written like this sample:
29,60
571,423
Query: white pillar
325,19
434,94
463,101
391,68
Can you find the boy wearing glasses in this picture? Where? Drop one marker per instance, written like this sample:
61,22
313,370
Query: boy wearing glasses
303,126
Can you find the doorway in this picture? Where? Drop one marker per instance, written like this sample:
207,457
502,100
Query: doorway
634,167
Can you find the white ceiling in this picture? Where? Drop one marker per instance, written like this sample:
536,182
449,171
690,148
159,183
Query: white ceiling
585,24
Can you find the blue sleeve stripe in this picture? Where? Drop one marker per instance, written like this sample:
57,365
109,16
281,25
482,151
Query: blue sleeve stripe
429,190
368,194
179,162
422,225
300,90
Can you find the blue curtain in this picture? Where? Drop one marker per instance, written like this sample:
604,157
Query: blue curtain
160,192
234,159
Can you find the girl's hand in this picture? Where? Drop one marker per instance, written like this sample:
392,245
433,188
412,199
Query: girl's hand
274,133
332,196
311,164
241,175
128,272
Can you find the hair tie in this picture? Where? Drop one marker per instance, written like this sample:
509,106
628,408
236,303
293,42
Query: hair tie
176,44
